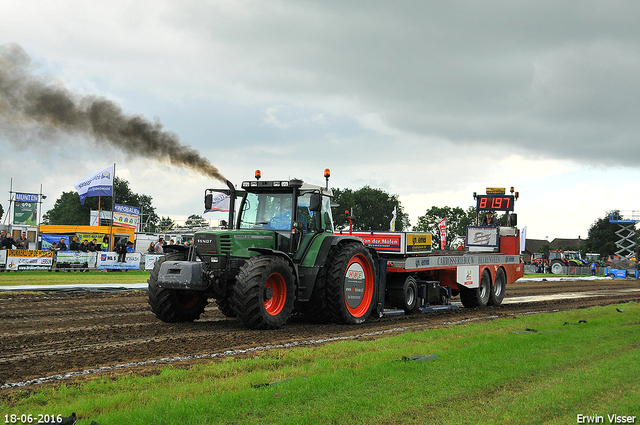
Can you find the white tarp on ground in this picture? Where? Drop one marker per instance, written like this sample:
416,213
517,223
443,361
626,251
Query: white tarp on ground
98,287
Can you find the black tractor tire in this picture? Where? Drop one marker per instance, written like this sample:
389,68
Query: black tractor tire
498,288
405,298
225,307
350,284
556,266
315,310
174,305
477,297
264,293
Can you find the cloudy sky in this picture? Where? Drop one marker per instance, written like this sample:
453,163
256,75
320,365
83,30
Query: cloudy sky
428,100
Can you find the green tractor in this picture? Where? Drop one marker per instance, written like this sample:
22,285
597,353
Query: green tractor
281,257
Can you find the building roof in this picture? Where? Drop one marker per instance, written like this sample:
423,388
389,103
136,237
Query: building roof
533,245
560,243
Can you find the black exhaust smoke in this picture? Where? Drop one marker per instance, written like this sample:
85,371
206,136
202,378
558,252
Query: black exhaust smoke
34,106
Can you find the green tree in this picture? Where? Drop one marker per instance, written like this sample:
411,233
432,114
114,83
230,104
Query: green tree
68,210
457,222
195,220
164,224
372,209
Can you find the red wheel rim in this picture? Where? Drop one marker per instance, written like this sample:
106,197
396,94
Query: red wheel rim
362,308
275,294
187,299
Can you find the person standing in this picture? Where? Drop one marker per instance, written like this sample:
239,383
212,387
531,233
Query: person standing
74,245
92,246
22,242
62,246
105,243
121,249
84,246
159,246
593,269
6,241
489,219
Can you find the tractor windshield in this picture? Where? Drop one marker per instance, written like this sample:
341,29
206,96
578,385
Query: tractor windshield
570,255
267,211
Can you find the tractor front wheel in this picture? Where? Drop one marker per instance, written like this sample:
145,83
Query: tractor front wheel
174,305
264,293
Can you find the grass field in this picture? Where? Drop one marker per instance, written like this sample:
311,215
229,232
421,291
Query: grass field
484,373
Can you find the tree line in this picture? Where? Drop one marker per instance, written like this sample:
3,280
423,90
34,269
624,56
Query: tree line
370,209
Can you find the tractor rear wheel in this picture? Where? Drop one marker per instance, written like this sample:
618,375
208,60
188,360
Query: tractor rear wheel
498,288
264,293
350,284
315,310
174,305
557,266
477,297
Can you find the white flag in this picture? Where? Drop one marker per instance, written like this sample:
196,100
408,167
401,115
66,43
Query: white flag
392,225
523,239
98,184
220,202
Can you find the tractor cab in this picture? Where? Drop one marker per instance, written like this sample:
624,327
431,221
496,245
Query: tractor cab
293,210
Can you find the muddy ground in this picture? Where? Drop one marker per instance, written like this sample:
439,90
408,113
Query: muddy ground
42,335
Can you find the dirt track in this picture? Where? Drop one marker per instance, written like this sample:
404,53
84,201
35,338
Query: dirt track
45,335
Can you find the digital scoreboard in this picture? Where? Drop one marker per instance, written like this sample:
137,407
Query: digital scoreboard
495,202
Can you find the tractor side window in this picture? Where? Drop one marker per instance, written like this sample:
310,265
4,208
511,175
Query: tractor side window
327,218
249,215
305,215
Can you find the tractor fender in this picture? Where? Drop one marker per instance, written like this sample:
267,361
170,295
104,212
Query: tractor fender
277,253
308,275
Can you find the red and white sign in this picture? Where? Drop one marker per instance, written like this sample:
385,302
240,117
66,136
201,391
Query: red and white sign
443,232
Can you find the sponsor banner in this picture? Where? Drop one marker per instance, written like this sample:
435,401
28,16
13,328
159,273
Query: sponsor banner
3,258
25,213
220,202
76,260
98,184
483,236
383,242
90,236
150,260
47,240
19,259
125,209
468,276
125,220
418,242
440,261
109,260
26,197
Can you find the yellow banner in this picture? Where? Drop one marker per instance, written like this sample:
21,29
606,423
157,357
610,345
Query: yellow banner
418,242
90,236
29,253
496,190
